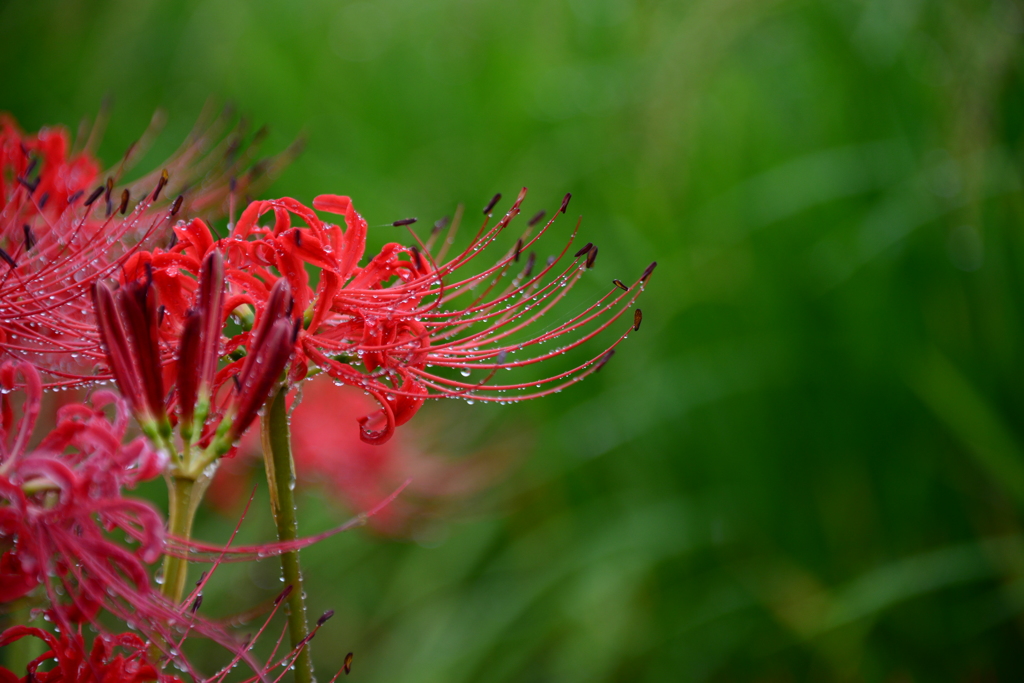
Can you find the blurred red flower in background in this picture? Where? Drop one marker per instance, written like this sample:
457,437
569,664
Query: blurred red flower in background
357,475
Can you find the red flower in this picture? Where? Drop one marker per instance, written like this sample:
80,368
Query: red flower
408,320
59,501
74,665
63,225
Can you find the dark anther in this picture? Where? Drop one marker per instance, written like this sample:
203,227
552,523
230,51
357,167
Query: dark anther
131,148
31,187
586,247
198,601
258,136
233,185
324,617
75,197
42,200
591,257
110,207
531,260
7,259
238,388
258,169
110,186
417,258
202,577
283,594
565,202
638,317
348,663
298,238
30,238
177,204
648,271
537,218
160,311
173,242
502,355
125,196
94,196
604,359
149,275
160,184
490,205
519,248
618,283
440,224
33,162
404,221
232,149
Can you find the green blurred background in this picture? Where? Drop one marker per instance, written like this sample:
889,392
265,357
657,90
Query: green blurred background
809,465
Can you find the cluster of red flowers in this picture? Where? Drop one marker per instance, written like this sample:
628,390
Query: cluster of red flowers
199,333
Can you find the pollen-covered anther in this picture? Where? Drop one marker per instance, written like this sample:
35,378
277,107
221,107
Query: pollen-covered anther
125,196
161,184
591,258
491,204
177,205
618,283
283,594
94,196
638,317
584,250
30,238
348,663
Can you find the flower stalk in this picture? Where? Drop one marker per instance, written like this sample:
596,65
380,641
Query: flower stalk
182,510
277,458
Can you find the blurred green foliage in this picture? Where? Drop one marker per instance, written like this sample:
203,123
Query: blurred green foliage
808,465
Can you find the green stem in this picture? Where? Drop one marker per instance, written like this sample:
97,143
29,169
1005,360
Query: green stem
277,457
182,513
18,654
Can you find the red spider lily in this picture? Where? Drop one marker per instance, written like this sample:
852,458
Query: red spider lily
409,318
59,503
103,664
63,225
51,496
60,500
